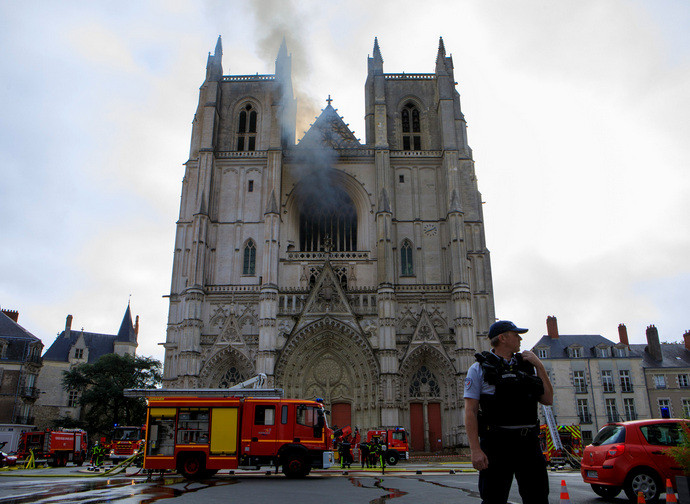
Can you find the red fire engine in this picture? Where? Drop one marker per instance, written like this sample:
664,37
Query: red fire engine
126,441
395,439
200,431
56,446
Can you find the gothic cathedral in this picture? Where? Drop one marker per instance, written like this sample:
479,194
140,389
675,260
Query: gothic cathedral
353,272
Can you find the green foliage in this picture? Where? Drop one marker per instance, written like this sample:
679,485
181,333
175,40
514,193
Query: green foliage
101,389
681,453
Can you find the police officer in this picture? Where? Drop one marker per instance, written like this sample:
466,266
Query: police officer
502,390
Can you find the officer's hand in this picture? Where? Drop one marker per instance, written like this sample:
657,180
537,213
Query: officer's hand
479,460
531,357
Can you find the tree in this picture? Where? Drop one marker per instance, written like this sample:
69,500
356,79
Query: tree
101,389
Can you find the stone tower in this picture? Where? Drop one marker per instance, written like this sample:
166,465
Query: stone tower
353,272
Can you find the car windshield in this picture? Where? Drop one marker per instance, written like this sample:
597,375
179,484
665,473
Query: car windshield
610,434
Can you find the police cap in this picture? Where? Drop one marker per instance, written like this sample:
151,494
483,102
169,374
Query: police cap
501,326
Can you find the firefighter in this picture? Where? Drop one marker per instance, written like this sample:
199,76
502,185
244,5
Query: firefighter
502,390
364,454
97,454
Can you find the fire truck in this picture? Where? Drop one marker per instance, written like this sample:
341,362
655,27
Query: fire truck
560,444
570,451
200,431
126,441
56,446
395,439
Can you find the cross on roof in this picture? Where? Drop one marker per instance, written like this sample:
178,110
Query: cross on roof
329,100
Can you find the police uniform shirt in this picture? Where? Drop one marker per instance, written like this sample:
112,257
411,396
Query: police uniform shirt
475,385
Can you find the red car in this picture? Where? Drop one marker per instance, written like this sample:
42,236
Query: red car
632,456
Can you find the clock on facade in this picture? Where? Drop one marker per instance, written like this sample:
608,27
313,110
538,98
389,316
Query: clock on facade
430,229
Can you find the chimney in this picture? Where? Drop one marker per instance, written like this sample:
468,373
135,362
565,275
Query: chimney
136,326
552,327
623,334
653,345
13,314
686,337
68,326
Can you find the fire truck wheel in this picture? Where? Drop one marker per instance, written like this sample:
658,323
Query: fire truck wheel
192,466
391,457
296,466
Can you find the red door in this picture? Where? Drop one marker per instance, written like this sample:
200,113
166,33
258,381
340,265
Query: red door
435,432
341,415
417,426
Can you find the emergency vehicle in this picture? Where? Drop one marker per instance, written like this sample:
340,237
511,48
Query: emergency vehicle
125,441
395,439
200,431
57,447
571,441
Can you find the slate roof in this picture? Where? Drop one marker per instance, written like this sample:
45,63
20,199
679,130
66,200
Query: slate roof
97,343
16,336
558,347
674,355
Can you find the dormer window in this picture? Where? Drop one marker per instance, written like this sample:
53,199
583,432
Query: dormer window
543,353
411,129
246,129
603,352
78,353
575,352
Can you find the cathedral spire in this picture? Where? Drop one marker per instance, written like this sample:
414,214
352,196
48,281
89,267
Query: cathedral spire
441,67
214,65
218,52
282,52
376,63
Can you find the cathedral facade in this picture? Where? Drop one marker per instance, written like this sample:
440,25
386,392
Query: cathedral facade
357,273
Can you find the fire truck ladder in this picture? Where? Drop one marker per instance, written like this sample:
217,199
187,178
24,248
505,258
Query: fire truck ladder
556,437
239,390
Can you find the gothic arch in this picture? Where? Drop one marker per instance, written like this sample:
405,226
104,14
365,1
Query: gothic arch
219,363
331,360
354,189
438,364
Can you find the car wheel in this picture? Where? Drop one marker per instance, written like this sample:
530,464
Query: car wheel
607,492
645,481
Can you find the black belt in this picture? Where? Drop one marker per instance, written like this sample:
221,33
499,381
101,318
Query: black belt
518,430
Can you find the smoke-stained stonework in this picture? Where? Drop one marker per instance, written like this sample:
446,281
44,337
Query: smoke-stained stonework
353,272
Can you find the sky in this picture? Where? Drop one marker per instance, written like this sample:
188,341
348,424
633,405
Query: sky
578,116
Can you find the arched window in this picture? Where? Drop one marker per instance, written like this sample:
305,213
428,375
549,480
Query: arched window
231,377
246,129
424,384
406,264
249,264
411,130
327,220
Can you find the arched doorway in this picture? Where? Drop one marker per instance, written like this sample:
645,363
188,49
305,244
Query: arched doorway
428,388
330,360
225,368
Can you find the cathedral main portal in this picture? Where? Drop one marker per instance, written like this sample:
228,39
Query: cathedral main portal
331,360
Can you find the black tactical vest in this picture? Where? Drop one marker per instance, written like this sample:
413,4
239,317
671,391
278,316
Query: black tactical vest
517,392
